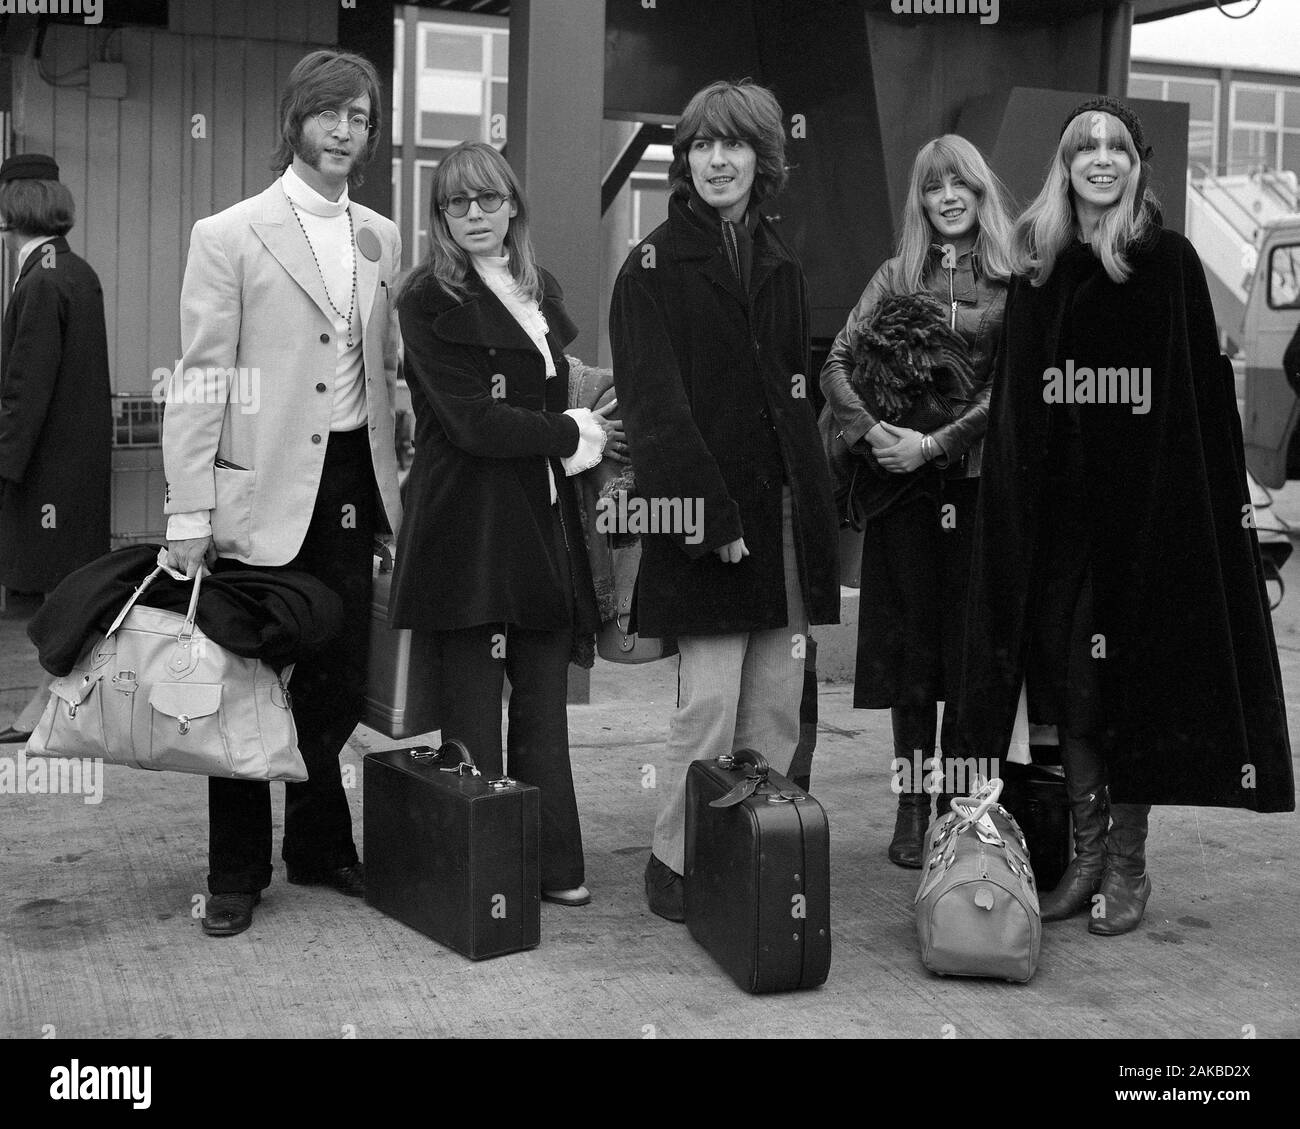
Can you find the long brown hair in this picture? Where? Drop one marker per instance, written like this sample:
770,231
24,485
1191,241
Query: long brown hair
474,167
326,80
742,110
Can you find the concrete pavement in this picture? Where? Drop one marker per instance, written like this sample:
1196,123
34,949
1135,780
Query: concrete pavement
99,934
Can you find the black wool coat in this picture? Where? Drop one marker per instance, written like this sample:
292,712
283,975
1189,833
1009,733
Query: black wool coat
1190,686
714,389
55,422
477,543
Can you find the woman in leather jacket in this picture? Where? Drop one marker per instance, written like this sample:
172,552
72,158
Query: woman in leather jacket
916,552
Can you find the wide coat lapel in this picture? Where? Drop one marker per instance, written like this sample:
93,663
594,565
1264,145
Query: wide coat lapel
483,320
280,234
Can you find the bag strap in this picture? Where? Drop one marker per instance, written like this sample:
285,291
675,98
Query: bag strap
187,628
132,601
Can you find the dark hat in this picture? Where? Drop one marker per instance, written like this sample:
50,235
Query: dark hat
29,166
1104,105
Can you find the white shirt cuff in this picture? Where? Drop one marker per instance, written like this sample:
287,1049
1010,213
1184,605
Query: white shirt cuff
188,526
588,453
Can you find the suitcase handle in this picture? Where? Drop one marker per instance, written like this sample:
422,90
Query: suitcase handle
452,747
746,756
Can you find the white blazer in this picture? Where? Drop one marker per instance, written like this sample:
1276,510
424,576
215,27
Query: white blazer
255,384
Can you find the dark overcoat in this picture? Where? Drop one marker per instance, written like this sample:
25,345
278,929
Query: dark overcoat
477,543
714,389
55,421
1190,686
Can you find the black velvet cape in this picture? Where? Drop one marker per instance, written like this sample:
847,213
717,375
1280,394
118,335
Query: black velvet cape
1190,683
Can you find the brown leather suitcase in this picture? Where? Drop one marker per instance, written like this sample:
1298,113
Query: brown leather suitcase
402,683
450,852
757,873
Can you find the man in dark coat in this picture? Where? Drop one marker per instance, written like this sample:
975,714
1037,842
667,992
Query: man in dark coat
709,327
55,414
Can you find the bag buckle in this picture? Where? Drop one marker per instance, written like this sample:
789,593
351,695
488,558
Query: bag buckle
183,724
124,682
499,784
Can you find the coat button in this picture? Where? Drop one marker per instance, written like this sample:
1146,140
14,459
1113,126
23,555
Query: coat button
324,338
315,438
492,352
320,388
764,414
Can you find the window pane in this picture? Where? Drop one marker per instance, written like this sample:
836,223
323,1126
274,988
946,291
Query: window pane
1284,277
1291,108
1144,88
449,95
449,127
1251,149
450,51
1255,106
1200,149
1198,96
500,56
1291,152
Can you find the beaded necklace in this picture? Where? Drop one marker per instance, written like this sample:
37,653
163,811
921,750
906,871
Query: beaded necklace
325,285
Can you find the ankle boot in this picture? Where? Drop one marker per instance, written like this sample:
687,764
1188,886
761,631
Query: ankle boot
908,845
1085,787
1126,885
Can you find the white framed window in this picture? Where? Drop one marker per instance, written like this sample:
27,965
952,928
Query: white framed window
460,85
1202,98
1265,131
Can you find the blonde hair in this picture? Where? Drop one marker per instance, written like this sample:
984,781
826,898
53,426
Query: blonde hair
1049,223
474,167
952,155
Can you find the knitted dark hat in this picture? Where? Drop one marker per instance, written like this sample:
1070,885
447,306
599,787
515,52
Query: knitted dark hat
29,166
1114,107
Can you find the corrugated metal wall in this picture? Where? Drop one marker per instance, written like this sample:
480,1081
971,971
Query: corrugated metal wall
137,172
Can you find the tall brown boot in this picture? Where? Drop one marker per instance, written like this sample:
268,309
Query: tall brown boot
1085,786
1126,885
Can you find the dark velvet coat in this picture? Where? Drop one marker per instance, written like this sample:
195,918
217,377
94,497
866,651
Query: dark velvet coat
55,422
477,543
715,393
1190,685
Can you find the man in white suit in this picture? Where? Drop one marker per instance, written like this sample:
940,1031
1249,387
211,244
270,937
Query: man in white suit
278,446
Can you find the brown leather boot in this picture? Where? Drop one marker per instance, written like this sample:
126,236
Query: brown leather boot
908,845
1085,786
1126,885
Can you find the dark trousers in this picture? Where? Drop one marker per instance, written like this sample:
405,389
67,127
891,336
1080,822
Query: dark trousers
473,662
326,690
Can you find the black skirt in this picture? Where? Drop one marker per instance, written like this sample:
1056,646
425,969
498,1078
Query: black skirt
912,607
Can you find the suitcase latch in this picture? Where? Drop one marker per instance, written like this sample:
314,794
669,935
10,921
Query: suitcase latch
502,783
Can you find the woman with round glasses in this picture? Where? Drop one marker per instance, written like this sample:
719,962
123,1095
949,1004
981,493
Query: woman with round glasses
491,558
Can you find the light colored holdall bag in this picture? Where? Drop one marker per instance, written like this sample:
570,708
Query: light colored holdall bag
155,692
977,906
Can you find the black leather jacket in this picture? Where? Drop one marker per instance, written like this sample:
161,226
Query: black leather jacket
977,305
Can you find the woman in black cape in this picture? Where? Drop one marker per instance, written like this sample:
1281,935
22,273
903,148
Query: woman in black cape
1115,567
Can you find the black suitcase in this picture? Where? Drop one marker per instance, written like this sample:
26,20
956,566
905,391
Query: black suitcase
1035,795
451,853
758,885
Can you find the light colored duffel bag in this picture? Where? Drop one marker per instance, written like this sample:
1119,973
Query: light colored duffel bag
977,906
155,692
